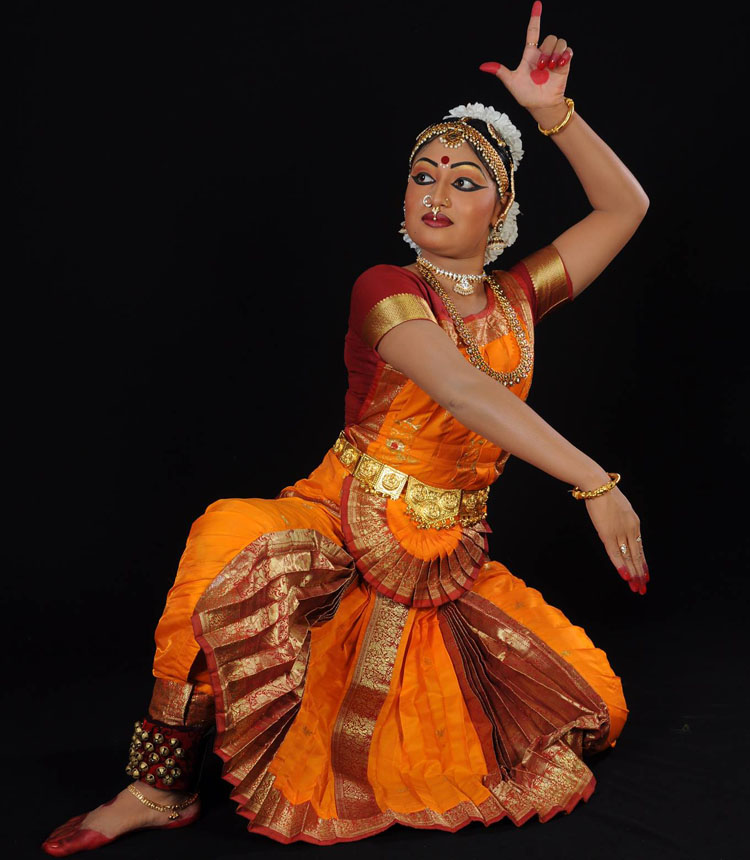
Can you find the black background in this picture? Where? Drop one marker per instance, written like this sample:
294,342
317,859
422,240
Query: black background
199,186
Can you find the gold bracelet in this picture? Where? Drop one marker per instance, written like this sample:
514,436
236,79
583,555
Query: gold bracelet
578,493
561,125
172,809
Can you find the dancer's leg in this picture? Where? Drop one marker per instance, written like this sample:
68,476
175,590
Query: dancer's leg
166,754
182,700
225,529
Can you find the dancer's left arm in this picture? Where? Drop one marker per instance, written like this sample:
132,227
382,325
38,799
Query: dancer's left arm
619,202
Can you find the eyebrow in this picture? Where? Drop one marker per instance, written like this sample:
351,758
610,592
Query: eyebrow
457,164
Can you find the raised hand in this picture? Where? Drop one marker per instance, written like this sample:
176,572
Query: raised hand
539,80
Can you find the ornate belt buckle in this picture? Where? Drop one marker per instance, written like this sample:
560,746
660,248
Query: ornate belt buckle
432,506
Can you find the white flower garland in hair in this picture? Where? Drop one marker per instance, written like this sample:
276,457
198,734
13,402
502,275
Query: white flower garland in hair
512,136
499,121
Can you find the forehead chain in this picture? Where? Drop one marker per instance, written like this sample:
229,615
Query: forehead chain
453,133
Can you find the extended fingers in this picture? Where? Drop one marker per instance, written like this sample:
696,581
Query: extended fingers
626,558
630,561
635,553
635,543
532,31
617,559
623,561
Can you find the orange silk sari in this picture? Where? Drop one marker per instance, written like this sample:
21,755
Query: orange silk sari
367,672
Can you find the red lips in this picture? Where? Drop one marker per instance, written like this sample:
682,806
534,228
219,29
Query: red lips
436,221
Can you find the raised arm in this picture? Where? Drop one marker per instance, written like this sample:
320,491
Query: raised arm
618,201
421,350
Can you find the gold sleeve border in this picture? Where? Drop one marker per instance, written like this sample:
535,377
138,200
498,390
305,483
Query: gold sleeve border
391,311
547,272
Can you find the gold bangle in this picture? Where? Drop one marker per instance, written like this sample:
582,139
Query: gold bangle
561,125
578,493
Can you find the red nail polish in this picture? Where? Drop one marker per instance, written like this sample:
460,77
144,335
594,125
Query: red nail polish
536,9
563,61
542,61
553,60
490,67
623,571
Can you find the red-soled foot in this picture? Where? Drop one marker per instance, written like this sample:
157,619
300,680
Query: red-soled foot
125,815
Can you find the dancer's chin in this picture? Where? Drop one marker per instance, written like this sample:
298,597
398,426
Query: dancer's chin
430,238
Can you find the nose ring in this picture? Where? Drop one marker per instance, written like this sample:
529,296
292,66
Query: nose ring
427,201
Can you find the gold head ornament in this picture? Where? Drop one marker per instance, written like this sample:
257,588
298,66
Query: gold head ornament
452,133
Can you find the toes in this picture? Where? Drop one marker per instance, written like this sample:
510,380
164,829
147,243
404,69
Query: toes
65,829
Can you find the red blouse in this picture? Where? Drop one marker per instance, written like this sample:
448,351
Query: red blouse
541,275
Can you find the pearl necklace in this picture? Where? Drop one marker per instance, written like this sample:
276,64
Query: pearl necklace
525,363
462,287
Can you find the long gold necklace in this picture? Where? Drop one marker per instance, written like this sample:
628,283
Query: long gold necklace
523,368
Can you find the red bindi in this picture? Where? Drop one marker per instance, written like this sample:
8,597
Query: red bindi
445,159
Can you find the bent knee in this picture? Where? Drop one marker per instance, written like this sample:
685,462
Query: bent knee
254,517
608,686
238,520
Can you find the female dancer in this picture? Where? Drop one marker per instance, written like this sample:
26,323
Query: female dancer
362,659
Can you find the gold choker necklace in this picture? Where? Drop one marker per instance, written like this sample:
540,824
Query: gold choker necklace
475,356
463,286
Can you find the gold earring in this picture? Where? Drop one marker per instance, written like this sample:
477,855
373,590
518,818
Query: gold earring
494,240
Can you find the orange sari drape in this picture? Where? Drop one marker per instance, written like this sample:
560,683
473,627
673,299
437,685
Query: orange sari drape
341,706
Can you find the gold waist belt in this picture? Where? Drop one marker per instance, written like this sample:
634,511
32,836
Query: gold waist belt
429,507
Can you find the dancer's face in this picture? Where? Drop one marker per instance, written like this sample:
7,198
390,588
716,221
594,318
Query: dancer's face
466,186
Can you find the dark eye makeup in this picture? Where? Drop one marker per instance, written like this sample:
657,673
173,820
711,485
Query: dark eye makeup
474,186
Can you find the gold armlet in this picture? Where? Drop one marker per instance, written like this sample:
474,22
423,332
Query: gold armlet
561,125
578,493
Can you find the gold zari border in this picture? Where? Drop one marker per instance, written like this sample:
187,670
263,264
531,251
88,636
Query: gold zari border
178,703
355,723
564,782
391,311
